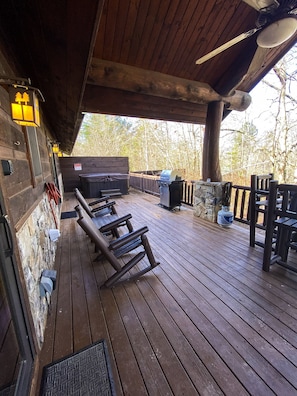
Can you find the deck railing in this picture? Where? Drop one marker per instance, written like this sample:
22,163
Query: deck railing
149,184
145,183
239,200
240,203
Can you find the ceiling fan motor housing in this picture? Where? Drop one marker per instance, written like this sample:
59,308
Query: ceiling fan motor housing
277,32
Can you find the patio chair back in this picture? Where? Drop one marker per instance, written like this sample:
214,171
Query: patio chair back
98,238
83,202
115,249
93,209
281,221
258,205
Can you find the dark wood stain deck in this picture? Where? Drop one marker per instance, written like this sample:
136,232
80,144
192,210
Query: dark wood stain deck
206,321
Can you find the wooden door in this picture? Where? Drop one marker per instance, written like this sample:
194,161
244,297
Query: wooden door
16,354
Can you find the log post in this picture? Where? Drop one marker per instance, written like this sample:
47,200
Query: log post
211,161
146,82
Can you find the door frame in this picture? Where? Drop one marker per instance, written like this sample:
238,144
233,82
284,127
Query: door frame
14,292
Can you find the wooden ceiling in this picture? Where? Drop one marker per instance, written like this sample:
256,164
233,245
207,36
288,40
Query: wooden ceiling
84,55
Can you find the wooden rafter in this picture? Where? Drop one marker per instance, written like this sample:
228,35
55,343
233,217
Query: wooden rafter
132,79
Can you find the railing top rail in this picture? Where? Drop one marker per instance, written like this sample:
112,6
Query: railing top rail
144,176
238,187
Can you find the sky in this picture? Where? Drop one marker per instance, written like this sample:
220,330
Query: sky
261,109
258,112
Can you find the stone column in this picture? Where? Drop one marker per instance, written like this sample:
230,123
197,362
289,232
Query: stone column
208,199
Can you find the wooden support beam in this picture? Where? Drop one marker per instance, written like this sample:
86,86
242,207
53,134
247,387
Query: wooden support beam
211,161
132,79
117,102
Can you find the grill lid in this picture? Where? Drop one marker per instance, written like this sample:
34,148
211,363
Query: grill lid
170,176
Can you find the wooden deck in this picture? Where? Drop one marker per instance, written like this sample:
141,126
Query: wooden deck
206,321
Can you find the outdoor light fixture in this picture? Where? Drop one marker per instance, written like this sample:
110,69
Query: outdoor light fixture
56,148
23,101
24,106
277,33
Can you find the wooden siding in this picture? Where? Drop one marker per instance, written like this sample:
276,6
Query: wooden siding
71,178
19,187
21,191
206,321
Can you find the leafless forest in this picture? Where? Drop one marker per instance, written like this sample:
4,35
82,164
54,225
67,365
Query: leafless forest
261,140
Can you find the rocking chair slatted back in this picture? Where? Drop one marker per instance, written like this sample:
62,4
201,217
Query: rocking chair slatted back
96,208
258,205
282,222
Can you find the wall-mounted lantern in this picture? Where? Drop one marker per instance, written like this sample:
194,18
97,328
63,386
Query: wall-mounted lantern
24,106
56,148
24,101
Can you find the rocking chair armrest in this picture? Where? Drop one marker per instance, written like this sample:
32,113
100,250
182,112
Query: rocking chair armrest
99,200
127,238
107,205
115,223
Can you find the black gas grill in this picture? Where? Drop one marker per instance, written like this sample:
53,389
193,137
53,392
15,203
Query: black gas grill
171,189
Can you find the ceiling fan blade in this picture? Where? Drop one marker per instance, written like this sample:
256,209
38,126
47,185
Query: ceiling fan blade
262,4
227,45
258,61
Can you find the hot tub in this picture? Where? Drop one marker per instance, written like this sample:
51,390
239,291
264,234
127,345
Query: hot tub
93,183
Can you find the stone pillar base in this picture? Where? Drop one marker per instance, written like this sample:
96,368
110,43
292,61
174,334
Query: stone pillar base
208,199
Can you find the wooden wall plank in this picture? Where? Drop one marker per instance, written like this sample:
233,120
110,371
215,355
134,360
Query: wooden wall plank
71,178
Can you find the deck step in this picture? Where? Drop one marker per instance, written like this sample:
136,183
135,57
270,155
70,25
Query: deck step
116,192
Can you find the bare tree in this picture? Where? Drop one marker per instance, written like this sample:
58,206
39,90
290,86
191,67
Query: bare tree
282,139
273,147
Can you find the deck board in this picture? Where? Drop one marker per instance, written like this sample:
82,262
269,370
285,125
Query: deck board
206,321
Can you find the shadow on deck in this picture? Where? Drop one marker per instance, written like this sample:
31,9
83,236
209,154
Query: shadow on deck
206,321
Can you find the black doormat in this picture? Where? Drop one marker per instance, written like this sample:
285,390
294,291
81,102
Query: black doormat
68,215
86,372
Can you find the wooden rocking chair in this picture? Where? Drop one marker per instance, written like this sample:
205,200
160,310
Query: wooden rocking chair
113,250
94,208
107,225
105,217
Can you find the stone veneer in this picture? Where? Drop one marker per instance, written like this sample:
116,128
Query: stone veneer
37,253
208,199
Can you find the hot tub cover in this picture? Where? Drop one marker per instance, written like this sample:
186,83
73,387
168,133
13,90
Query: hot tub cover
103,177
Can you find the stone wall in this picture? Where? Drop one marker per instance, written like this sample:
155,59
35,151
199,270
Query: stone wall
208,199
37,253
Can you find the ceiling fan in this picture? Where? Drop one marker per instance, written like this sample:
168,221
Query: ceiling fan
277,22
